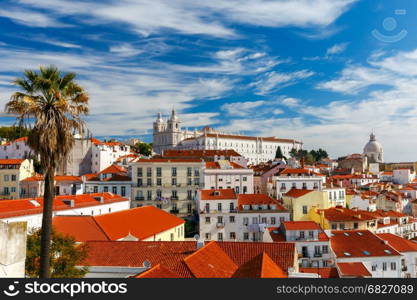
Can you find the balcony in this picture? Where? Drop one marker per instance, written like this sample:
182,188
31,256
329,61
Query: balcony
174,198
318,254
233,211
174,211
139,198
220,225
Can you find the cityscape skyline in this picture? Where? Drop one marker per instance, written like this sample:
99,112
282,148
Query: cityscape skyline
325,76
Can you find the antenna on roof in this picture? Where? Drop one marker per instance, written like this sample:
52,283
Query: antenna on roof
196,237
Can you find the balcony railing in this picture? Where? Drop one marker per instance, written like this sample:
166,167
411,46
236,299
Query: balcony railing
174,198
174,211
139,198
318,254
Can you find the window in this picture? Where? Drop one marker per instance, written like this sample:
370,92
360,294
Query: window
263,220
149,172
334,226
158,181
207,209
311,234
317,250
158,172
174,195
13,189
245,189
148,181
189,171
196,181
106,189
246,236
220,236
189,208
374,267
233,235
6,177
231,206
95,189
294,185
174,171
245,178
159,206
219,206
139,182
174,181
123,191
13,177
245,221
196,172
190,181
342,226
140,172
393,266
114,189
159,194
325,249
232,219
208,220
305,209
220,219
208,236
254,220
355,225
384,266
172,236
237,190
304,185
189,195
302,234
273,221
149,195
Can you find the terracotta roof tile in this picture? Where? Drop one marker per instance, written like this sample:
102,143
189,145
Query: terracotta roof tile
158,272
258,199
261,266
398,243
296,193
353,269
82,228
222,194
11,161
323,272
301,225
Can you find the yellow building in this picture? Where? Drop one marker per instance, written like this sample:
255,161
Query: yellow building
169,184
12,171
300,201
339,218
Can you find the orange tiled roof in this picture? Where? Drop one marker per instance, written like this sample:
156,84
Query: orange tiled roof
365,244
216,165
261,266
82,228
158,272
257,199
340,214
301,225
222,194
296,193
323,272
210,261
11,161
353,269
31,206
39,177
244,137
398,243
199,153
113,169
294,171
167,160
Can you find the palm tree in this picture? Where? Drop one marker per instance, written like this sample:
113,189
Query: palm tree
51,105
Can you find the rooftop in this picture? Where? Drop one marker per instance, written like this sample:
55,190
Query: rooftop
353,269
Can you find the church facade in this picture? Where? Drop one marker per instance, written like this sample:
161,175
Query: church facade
169,135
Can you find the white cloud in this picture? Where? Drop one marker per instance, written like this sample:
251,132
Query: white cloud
30,18
290,102
273,81
125,50
336,49
240,109
200,17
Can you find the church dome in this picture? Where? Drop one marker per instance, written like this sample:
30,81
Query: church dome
373,149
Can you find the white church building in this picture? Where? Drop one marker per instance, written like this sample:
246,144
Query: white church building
169,135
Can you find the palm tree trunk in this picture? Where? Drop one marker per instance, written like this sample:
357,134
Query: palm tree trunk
48,197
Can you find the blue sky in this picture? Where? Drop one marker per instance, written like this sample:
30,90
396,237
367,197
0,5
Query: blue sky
326,72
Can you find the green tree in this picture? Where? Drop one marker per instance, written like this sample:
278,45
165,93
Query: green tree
51,104
144,148
13,132
278,154
65,256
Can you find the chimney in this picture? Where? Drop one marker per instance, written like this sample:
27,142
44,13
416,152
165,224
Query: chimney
69,202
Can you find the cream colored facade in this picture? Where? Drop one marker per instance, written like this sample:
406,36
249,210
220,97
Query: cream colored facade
169,184
176,234
11,173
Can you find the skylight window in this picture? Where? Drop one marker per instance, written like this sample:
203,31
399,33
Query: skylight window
347,254
360,233
366,252
345,233
387,251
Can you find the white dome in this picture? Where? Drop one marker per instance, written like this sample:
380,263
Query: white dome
372,147
373,150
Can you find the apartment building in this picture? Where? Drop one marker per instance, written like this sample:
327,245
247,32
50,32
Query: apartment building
312,243
301,178
17,149
227,216
169,184
34,186
224,174
12,172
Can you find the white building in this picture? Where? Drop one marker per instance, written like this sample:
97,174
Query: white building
227,216
223,174
362,246
364,201
168,135
408,250
403,176
113,179
373,150
312,243
104,154
16,149
64,185
12,249
302,179
30,210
